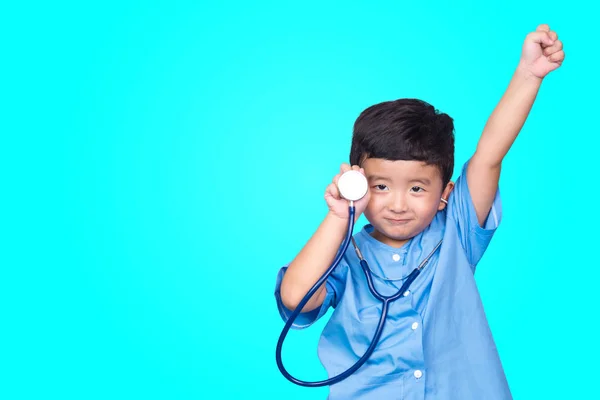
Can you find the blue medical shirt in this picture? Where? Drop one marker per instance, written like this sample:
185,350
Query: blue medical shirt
436,342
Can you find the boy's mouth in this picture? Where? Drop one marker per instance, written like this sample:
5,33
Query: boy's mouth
395,221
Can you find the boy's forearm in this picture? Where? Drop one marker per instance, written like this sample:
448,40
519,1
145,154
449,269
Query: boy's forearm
311,263
508,117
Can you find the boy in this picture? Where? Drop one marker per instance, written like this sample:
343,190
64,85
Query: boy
436,342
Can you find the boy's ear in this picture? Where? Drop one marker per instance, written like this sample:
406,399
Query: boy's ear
446,195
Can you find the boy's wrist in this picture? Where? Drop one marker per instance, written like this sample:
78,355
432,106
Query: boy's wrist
336,220
525,74
340,222
334,217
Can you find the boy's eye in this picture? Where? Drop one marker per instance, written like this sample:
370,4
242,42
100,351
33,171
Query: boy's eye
381,187
417,189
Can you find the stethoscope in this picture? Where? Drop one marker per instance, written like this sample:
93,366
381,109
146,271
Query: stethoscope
352,186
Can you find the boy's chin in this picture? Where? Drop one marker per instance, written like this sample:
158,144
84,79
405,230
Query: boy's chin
394,233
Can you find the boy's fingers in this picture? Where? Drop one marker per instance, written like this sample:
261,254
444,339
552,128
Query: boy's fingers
542,38
543,28
336,178
557,57
557,46
345,167
333,191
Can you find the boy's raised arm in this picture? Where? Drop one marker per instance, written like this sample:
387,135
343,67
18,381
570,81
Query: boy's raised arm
542,53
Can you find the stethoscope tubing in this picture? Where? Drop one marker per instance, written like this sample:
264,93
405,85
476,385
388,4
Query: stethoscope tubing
301,305
386,300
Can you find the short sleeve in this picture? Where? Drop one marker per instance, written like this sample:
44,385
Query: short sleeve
473,237
334,289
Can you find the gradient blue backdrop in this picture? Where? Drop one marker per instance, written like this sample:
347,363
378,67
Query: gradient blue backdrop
153,155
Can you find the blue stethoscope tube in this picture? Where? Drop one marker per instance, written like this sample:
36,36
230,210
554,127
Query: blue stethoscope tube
386,300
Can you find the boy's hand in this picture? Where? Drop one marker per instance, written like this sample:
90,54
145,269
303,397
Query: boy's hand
542,52
338,206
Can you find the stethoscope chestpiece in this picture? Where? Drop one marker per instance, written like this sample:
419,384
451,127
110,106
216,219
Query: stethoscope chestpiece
352,185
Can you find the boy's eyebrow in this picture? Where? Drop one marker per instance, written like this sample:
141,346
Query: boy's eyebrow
378,178
424,181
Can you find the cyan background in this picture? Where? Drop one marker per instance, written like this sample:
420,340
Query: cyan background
161,160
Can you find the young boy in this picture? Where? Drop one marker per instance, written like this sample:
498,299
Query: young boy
436,342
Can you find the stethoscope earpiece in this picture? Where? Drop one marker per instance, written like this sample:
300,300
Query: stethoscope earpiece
352,185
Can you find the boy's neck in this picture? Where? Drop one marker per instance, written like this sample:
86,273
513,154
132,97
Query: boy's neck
386,240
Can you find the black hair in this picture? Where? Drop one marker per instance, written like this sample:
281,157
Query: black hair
405,129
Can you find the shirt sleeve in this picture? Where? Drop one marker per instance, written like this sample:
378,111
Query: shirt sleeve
333,286
473,237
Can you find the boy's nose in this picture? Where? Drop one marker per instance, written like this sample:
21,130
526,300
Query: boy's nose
398,204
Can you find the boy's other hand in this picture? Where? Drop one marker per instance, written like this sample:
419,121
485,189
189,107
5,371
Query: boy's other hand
542,52
338,206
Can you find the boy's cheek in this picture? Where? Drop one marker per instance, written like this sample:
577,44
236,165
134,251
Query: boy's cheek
371,206
368,213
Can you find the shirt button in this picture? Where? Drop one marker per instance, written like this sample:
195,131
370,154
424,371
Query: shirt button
418,374
415,325
396,257
406,293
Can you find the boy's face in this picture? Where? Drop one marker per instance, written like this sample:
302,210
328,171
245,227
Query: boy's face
405,196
